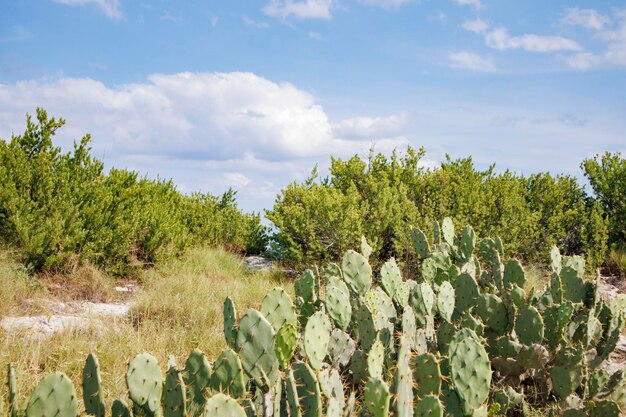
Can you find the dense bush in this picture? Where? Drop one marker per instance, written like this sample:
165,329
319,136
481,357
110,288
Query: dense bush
607,175
60,208
385,194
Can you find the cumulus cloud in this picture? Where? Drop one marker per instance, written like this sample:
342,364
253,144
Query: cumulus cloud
473,3
583,60
616,49
305,9
370,127
111,8
472,61
476,26
587,18
501,39
386,4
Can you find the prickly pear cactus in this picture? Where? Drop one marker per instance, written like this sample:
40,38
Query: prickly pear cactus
93,395
390,277
197,376
426,375
377,397
227,376
255,340
221,405
403,381
14,408
470,369
278,308
54,396
145,383
119,408
429,406
174,394
357,272
309,394
338,303
420,243
316,339
285,344
230,323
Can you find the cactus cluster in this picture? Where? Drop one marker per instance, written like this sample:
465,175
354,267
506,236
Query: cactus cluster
462,338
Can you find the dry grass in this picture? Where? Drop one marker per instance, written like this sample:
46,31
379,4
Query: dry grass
178,309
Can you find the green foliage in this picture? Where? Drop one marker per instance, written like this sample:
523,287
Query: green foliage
58,208
607,176
318,220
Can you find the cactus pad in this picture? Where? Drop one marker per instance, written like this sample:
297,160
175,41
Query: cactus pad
316,339
420,243
429,406
278,308
255,340
230,323
356,272
426,374
470,369
445,301
93,395
493,313
174,394
119,408
514,274
529,326
308,388
377,397
403,381
221,405
227,375
197,376
145,382
285,344
53,396
376,360
338,303
340,348
466,291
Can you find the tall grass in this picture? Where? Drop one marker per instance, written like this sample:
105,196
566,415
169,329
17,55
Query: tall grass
178,308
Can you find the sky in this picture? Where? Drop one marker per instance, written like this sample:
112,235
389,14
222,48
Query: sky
253,94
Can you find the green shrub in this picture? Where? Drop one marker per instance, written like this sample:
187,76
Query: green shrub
607,176
386,194
58,207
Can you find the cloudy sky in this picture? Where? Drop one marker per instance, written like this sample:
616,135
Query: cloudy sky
252,94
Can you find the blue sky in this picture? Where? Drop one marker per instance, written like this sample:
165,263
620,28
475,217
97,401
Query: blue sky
254,93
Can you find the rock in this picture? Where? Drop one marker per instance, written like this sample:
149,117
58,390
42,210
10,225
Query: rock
259,263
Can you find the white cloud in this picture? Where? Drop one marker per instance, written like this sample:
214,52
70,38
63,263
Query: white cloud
587,18
369,128
315,35
214,20
203,116
616,49
477,26
386,4
501,39
473,3
111,8
304,9
583,60
253,23
472,61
